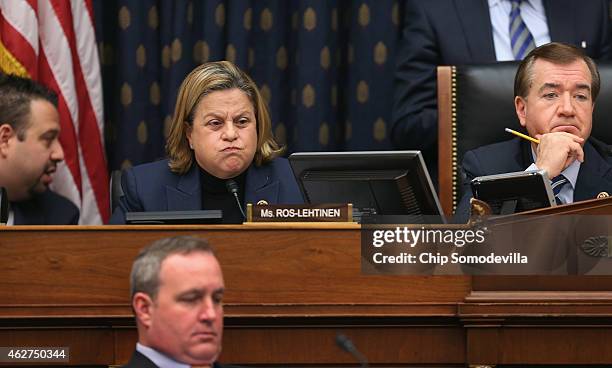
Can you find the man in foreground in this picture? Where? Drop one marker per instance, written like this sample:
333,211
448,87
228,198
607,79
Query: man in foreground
177,292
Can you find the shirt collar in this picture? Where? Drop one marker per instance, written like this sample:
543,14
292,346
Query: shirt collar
11,216
570,172
537,5
160,360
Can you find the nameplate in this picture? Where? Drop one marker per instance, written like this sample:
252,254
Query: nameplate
299,212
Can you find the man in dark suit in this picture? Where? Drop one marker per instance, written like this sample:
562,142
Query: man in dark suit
177,292
29,153
555,89
457,32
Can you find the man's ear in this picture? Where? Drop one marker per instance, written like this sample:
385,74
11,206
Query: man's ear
143,308
6,133
520,106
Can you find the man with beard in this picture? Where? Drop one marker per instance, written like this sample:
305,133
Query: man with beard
29,153
177,296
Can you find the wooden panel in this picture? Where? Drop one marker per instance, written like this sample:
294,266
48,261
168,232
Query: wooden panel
125,342
528,345
88,346
307,277
290,290
542,283
385,342
445,158
381,345
261,265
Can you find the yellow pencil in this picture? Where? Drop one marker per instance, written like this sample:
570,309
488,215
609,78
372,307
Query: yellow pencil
524,136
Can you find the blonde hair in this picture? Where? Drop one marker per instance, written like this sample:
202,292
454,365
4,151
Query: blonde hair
204,79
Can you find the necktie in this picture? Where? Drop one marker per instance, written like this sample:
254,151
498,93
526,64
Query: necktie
557,183
521,39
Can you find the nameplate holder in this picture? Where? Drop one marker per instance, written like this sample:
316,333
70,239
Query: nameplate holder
300,212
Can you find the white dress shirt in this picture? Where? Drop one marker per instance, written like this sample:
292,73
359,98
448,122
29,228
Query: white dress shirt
160,360
11,217
532,12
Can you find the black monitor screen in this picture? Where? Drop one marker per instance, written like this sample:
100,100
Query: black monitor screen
391,184
174,217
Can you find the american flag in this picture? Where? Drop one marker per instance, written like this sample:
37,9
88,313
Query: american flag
53,42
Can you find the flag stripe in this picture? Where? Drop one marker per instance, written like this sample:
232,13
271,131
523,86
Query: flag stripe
10,64
20,15
16,43
56,43
59,62
91,151
88,55
91,123
55,46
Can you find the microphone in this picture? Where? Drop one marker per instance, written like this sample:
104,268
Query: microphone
347,345
232,187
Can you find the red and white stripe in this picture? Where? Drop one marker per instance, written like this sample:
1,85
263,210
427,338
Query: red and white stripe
60,35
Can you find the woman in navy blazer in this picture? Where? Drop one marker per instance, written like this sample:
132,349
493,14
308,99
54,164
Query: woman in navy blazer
221,132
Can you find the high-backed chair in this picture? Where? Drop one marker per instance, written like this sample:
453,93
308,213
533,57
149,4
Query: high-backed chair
115,189
476,103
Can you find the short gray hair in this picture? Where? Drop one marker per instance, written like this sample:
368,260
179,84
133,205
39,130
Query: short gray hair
147,265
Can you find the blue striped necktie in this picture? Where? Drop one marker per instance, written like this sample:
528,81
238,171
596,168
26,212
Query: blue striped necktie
521,39
557,183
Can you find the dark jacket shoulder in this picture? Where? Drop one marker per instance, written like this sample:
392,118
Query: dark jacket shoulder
46,208
138,360
154,187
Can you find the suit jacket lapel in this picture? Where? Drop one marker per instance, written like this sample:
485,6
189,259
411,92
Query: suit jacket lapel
475,20
260,186
187,195
138,360
526,158
560,19
595,175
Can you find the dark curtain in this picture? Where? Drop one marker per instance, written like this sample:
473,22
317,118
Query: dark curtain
325,67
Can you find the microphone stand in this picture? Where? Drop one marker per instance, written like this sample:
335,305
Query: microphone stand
347,345
232,187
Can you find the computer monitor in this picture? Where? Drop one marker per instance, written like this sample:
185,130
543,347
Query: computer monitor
514,192
388,185
174,217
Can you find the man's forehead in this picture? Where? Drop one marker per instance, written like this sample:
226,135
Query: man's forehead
43,115
190,266
545,71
